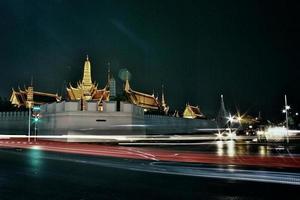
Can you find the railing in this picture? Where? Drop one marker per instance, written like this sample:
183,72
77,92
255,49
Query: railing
13,114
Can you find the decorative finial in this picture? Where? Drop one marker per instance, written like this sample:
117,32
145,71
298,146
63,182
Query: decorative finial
31,81
163,96
221,96
108,73
87,57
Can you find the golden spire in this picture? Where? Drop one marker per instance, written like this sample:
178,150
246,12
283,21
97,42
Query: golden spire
87,79
163,102
127,86
108,73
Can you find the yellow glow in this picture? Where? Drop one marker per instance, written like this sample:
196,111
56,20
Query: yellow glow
36,147
220,146
231,148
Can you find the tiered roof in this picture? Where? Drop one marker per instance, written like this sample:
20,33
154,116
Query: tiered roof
86,89
19,98
192,112
143,100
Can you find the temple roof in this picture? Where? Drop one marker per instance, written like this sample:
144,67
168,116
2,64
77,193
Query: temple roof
192,112
143,100
86,89
19,98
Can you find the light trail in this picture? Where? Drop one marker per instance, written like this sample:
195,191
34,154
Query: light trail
163,143
227,173
181,169
128,138
281,161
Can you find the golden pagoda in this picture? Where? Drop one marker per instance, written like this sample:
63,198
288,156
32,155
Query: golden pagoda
86,90
192,112
146,101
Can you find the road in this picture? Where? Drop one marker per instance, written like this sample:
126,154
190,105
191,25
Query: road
30,171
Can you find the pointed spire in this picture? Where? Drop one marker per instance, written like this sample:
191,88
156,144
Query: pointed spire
163,102
222,115
108,73
87,78
222,103
31,81
127,86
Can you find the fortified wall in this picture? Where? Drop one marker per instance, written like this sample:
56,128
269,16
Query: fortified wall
66,118
13,122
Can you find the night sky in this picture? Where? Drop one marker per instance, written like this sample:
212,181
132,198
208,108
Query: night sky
247,50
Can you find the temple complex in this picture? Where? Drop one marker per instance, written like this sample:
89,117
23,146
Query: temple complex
89,111
86,90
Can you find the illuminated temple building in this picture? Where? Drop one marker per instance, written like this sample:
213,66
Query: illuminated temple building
192,112
19,98
86,90
146,101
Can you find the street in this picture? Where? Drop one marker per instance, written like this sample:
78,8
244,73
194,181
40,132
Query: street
32,173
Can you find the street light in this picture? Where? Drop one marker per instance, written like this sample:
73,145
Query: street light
230,118
239,119
283,111
36,115
29,105
286,111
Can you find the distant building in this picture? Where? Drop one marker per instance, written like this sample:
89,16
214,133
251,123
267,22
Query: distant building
112,87
192,112
222,114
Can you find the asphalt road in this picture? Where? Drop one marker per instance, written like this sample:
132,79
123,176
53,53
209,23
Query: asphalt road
38,174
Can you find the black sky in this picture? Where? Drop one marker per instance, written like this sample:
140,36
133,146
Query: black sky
247,50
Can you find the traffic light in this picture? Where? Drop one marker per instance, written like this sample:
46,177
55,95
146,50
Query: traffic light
36,108
36,119
36,114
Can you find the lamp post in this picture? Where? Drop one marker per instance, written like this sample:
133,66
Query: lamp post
286,111
29,119
35,128
230,121
36,114
29,104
